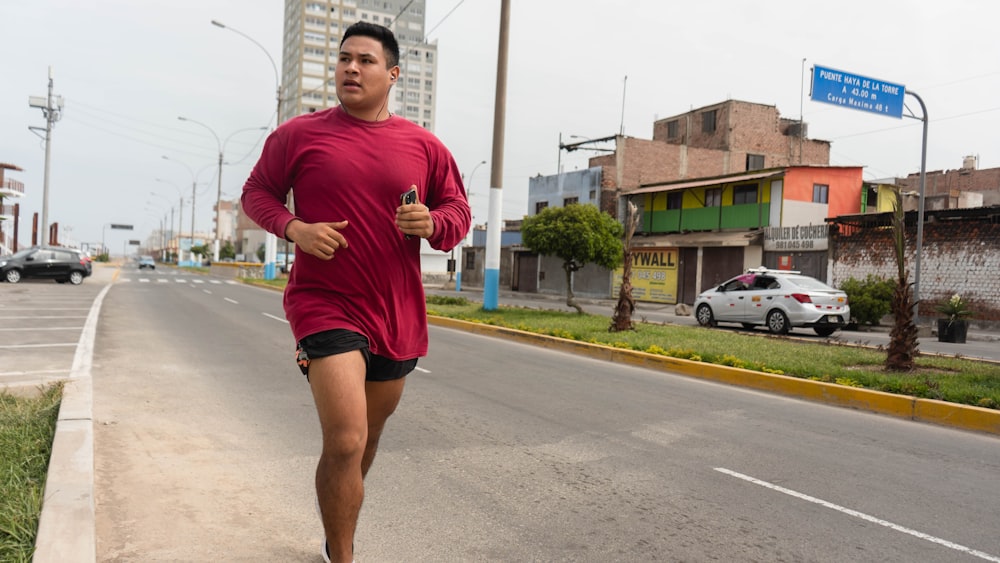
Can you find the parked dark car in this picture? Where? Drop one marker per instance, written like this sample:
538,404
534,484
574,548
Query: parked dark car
60,264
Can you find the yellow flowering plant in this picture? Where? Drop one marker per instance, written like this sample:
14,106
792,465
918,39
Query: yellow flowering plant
954,308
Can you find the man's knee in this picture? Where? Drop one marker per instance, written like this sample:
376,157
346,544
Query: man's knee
344,446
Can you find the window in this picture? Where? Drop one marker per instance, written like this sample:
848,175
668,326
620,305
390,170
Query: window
673,129
570,201
713,197
675,200
871,196
540,205
821,193
745,193
755,162
593,195
470,260
708,121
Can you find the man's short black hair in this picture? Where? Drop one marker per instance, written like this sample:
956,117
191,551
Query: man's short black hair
379,33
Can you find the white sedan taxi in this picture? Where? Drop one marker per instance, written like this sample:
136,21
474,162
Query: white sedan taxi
778,299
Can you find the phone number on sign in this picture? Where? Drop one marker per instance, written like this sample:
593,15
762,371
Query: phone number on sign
647,275
793,244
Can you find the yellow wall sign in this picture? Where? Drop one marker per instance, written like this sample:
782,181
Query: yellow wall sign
654,275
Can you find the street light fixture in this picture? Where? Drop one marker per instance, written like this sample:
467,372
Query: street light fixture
218,198
194,190
271,241
180,215
221,145
167,240
456,263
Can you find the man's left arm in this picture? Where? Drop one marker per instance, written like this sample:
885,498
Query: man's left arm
449,208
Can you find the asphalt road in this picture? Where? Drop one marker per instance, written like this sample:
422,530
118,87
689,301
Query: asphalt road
206,440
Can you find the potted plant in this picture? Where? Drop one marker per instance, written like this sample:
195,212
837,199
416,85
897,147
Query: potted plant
953,327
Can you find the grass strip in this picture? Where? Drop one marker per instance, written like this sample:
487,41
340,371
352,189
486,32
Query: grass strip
27,427
955,380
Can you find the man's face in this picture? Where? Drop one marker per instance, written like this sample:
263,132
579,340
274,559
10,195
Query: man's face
363,80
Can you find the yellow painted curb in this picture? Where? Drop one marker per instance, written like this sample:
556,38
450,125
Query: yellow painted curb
966,417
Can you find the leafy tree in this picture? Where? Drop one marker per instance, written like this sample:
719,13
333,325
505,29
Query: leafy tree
903,337
201,249
227,250
579,235
260,253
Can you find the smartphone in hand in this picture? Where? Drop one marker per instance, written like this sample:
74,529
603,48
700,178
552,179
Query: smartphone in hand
409,197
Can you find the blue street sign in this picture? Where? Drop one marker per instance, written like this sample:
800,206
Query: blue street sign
841,88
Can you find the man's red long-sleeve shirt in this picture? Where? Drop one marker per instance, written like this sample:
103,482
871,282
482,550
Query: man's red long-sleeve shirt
343,168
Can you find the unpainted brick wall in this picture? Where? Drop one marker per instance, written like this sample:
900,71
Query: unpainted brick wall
957,256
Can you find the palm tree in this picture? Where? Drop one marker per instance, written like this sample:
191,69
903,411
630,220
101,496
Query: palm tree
903,337
622,319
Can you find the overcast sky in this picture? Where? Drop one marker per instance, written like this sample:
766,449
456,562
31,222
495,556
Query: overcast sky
128,68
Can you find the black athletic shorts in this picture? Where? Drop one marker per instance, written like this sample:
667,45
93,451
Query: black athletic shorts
338,341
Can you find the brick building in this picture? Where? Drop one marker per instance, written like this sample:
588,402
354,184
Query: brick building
960,254
711,185
9,188
724,138
952,183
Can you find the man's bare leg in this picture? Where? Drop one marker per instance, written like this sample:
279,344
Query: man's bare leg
338,387
382,398
343,464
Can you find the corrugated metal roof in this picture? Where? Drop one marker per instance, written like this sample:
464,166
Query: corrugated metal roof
707,182
702,238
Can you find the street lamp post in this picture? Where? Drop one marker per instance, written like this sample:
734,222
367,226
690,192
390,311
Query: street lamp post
194,193
180,216
271,241
468,197
218,197
170,224
221,145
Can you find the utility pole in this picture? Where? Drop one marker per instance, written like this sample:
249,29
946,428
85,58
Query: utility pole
494,226
51,107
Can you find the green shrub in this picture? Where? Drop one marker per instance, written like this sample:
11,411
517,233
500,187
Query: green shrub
870,300
446,300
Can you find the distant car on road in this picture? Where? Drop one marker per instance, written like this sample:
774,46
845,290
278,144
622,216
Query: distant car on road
284,262
147,262
778,299
49,262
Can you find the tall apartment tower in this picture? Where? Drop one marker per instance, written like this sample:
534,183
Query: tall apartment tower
313,30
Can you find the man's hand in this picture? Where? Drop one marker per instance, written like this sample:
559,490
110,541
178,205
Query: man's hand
321,240
415,219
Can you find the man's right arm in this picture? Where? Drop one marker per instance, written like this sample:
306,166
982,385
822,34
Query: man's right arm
322,240
266,190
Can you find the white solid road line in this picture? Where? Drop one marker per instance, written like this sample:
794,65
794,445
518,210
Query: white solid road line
26,329
861,515
16,346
